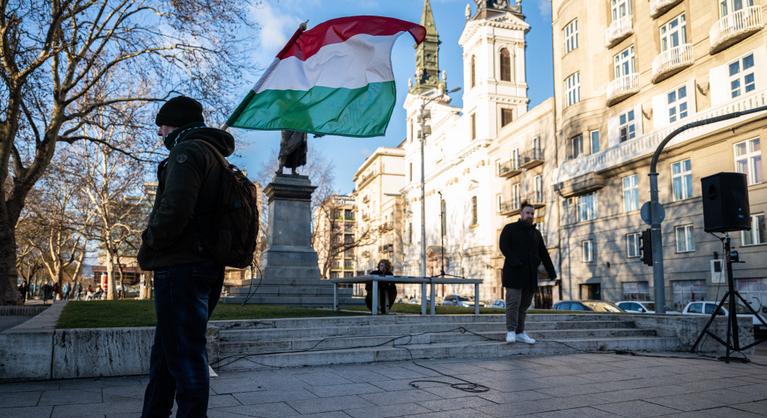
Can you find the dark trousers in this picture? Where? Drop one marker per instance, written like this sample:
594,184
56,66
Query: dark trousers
517,303
184,299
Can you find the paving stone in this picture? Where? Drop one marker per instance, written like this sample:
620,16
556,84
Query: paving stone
19,399
322,378
344,389
398,410
267,396
515,408
80,410
456,403
26,412
336,403
218,401
461,413
687,402
70,397
332,414
508,397
401,384
268,410
636,409
755,407
585,412
403,396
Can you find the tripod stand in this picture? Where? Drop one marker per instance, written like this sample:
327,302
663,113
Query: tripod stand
733,339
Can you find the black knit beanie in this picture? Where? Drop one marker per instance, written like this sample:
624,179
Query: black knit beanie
179,111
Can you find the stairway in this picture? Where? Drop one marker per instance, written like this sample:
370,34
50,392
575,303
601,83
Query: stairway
260,344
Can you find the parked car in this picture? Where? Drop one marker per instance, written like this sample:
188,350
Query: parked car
636,306
587,306
498,304
458,300
707,308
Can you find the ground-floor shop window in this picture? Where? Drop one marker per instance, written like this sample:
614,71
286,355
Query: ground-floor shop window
685,291
636,291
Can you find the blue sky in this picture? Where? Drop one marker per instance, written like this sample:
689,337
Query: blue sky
280,18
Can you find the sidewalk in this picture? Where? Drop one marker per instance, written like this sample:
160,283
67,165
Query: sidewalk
583,385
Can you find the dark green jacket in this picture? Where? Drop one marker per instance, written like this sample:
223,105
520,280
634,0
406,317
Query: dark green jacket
186,198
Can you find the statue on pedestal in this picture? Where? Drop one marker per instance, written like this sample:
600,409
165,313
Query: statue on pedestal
293,147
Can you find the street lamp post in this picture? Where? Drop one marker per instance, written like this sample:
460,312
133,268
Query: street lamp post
422,136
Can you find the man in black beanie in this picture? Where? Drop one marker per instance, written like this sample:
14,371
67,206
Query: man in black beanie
187,281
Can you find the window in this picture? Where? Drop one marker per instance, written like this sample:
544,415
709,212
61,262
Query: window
742,76
681,180
537,146
748,160
587,251
571,35
685,241
677,104
621,8
410,167
474,210
624,62
630,193
473,72
542,228
506,116
499,199
515,198
636,291
594,141
587,207
729,6
473,121
573,88
627,126
515,159
673,33
757,234
538,187
411,129
632,245
505,65
575,146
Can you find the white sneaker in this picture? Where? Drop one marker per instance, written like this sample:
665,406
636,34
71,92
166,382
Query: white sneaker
524,338
511,337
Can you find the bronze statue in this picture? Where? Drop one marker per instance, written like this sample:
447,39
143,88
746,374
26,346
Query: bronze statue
292,150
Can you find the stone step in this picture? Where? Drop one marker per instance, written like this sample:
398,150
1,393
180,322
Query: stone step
288,290
366,319
472,349
395,329
319,301
342,342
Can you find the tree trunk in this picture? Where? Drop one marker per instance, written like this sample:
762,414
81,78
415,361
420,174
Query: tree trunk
9,294
110,290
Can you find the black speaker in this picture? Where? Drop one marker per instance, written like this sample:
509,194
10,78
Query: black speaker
725,202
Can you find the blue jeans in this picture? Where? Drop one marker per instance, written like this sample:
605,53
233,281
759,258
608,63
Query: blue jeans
184,299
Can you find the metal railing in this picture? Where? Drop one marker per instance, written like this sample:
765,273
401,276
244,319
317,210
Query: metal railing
659,6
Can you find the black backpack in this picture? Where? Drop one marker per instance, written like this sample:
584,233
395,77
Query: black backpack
232,235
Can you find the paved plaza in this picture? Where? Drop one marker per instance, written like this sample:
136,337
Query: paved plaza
583,385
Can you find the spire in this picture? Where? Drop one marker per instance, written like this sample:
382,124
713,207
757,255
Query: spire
427,56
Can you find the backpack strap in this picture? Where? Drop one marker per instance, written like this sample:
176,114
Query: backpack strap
215,150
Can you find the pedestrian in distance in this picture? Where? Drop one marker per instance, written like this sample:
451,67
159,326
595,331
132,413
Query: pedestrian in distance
523,249
387,291
187,279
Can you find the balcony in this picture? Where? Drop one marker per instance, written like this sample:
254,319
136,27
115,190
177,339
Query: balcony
509,207
618,30
509,168
621,88
735,26
536,199
658,7
583,184
671,61
531,158
644,145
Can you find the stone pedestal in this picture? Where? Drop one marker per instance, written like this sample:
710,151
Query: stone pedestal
291,275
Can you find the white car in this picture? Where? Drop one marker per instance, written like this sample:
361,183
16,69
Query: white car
708,308
636,306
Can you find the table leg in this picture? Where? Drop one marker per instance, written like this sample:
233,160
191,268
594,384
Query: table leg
476,298
423,298
432,294
374,302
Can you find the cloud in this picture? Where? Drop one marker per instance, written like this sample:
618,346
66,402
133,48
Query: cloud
544,7
276,26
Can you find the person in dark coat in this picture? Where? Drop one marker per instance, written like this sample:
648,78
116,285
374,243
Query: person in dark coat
523,248
387,291
187,279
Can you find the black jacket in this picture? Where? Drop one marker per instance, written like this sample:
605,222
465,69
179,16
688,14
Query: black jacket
186,198
523,247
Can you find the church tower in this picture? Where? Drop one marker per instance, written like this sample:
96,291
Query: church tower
495,88
427,76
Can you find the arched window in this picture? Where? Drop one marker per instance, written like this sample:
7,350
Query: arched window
473,72
505,65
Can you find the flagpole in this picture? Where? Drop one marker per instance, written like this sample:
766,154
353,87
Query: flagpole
241,107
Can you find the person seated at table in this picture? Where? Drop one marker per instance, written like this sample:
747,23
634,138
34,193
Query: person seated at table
387,291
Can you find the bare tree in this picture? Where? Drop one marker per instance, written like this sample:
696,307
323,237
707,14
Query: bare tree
70,64
329,237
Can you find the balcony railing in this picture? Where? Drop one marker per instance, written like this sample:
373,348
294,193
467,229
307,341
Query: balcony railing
618,30
509,207
536,199
509,168
645,145
671,61
735,26
658,7
531,158
621,88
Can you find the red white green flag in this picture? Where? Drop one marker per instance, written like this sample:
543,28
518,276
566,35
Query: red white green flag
335,78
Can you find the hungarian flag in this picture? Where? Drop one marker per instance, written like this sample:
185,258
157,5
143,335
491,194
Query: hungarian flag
335,78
